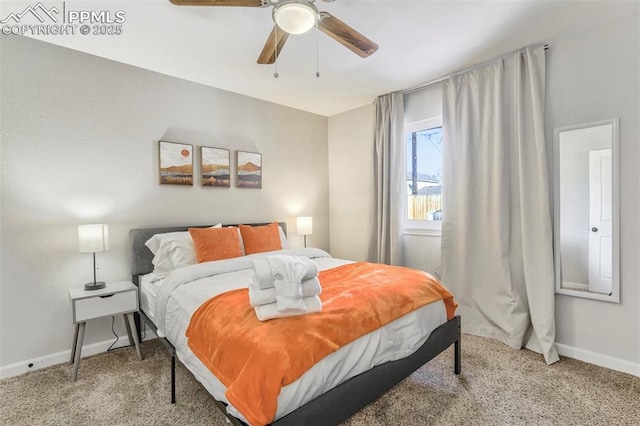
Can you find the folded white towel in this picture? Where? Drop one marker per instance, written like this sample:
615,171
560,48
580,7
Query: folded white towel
286,304
285,267
289,295
270,311
313,304
263,276
311,268
311,287
285,288
262,297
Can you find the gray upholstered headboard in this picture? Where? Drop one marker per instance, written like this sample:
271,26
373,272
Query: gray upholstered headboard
141,257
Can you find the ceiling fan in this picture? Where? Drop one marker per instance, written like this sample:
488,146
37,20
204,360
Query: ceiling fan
296,17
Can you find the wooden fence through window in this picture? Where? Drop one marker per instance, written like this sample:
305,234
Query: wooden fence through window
419,205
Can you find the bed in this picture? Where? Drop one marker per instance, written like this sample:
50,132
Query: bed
310,401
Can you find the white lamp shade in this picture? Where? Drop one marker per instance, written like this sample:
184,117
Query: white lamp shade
295,18
93,238
304,225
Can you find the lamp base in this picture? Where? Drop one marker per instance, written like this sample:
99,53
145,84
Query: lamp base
94,286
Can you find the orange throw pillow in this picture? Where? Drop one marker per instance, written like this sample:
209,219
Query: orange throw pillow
258,239
215,243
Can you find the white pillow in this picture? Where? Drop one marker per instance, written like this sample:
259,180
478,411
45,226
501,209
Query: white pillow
179,251
172,250
283,238
154,242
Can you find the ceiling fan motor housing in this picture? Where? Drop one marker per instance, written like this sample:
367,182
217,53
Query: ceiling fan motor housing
295,17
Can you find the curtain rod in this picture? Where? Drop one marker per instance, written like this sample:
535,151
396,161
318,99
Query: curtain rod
440,80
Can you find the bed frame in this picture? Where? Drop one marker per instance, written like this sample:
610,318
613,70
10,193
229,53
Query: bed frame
335,405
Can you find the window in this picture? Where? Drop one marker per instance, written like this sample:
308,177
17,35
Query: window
424,170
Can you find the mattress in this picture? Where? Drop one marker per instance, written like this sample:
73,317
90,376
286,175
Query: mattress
395,340
149,288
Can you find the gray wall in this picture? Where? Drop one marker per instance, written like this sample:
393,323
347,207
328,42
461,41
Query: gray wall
80,145
595,75
351,182
591,76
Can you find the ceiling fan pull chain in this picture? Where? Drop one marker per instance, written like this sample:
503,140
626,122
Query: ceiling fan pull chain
317,52
275,49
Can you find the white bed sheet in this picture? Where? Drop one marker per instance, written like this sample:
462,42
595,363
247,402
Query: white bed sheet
149,288
395,340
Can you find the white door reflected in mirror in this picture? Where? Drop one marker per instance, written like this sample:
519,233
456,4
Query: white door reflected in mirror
586,206
601,220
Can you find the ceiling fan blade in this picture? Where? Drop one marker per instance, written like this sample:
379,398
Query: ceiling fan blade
239,3
345,35
268,54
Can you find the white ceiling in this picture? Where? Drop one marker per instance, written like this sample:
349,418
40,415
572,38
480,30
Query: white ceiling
419,41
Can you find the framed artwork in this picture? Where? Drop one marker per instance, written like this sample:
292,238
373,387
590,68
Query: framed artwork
215,167
176,163
248,169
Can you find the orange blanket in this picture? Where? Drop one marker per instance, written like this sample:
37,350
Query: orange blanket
255,359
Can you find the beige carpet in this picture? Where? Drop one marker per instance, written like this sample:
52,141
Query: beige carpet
498,386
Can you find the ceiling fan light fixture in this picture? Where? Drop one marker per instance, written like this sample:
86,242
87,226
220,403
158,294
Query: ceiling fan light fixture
295,17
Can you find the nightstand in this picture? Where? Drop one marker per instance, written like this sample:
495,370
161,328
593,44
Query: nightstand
115,299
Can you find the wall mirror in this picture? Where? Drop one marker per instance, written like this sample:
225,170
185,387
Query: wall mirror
586,224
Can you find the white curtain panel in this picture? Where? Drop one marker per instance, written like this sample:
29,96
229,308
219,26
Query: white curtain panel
388,168
496,232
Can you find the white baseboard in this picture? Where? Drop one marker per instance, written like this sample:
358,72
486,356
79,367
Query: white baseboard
61,357
601,360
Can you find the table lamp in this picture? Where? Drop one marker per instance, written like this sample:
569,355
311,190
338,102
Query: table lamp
93,239
305,227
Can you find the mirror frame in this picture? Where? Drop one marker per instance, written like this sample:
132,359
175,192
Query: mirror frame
615,167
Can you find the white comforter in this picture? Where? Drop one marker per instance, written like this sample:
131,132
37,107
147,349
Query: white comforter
185,289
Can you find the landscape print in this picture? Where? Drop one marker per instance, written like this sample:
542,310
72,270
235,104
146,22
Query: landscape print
249,169
216,167
176,163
